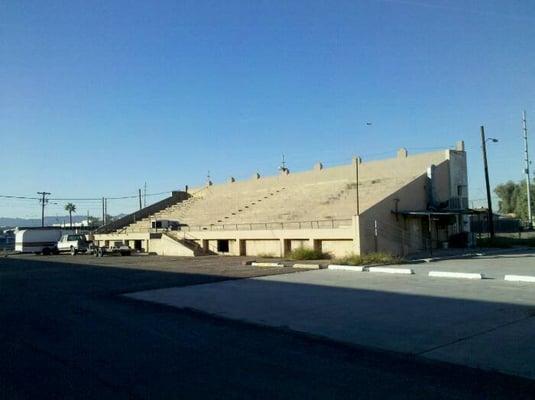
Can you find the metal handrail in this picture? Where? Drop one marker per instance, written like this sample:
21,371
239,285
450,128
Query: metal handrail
314,224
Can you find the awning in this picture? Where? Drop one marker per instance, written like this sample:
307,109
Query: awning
430,213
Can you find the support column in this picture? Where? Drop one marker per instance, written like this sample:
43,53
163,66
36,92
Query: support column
285,246
314,244
204,244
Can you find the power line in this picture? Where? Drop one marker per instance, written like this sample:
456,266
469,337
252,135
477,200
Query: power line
5,196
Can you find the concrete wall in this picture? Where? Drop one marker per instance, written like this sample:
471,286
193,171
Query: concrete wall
392,235
166,246
298,243
339,248
263,247
458,174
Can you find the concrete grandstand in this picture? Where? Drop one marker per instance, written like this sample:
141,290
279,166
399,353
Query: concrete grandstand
399,205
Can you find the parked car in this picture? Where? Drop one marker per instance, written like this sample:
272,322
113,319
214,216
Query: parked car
117,248
73,243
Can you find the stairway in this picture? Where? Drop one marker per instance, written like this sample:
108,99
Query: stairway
189,243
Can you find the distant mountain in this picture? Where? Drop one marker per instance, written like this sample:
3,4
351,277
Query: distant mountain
49,221
29,222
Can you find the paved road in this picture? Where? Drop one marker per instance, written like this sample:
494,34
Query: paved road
65,332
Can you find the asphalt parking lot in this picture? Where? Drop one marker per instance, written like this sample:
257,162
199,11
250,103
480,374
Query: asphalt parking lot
486,323
67,331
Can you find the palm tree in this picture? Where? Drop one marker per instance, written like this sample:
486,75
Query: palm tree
70,207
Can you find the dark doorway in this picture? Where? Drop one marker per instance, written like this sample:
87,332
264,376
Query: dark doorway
137,245
222,246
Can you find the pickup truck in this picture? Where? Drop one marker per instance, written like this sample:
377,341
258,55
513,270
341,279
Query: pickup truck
73,244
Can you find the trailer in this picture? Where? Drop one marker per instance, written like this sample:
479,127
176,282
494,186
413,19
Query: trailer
38,240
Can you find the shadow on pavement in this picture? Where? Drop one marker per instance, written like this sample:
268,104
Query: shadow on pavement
65,332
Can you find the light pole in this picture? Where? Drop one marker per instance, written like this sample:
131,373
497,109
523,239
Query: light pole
526,170
489,200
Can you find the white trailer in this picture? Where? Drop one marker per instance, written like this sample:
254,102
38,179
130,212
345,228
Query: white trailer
38,240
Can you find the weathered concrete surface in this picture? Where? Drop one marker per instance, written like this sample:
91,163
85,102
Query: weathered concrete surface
486,323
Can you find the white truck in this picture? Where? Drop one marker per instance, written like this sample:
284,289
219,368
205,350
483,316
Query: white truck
73,243
38,240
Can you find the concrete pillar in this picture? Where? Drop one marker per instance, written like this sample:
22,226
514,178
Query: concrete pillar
314,244
205,244
286,247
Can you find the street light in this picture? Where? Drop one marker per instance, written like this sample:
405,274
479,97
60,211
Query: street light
490,216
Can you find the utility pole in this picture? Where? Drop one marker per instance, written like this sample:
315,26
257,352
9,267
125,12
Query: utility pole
103,212
357,162
43,202
526,171
145,195
140,202
489,201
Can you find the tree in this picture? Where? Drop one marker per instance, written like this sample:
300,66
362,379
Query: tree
93,221
70,207
508,195
513,198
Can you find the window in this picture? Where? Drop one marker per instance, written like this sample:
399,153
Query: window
72,238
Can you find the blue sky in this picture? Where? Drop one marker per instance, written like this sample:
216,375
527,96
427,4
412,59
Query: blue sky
98,97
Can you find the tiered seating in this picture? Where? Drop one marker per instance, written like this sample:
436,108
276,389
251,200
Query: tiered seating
325,194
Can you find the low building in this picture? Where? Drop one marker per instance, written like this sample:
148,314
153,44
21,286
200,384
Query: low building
400,205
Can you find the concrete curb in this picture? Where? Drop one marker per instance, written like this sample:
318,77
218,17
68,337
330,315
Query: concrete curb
458,275
354,268
308,266
476,253
266,264
520,278
387,270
